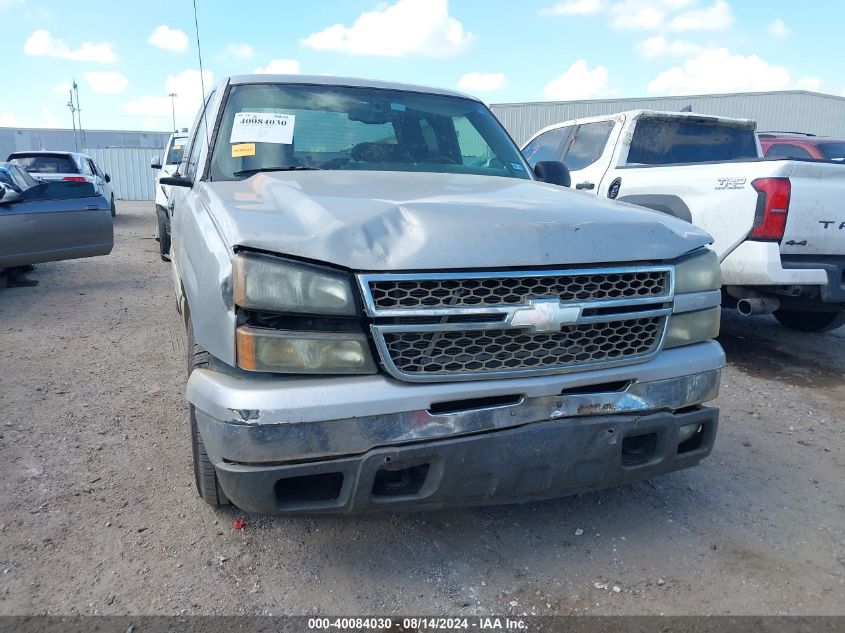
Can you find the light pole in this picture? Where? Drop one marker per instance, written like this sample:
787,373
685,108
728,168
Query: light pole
173,96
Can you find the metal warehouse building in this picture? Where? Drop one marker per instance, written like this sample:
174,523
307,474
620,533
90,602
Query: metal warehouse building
786,110
125,156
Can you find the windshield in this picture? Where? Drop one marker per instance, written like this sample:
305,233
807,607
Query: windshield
833,151
46,163
268,127
174,152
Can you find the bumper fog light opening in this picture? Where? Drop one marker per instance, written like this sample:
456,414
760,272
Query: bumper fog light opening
690,437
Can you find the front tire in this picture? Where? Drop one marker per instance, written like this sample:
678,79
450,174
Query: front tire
205,476
163,234
810,321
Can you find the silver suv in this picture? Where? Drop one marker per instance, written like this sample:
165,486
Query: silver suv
388,309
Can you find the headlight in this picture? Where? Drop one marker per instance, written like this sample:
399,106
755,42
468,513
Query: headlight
692,327
698,273
263,282
303,352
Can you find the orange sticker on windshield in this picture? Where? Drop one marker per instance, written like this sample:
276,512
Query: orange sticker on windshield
243,149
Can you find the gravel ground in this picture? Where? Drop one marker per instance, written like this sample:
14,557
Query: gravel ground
98,512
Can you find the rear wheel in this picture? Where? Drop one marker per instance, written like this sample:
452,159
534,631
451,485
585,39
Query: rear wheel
810,321
163,234
205,476
113,207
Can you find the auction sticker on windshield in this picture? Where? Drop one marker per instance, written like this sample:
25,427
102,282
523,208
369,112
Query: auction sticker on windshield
262,127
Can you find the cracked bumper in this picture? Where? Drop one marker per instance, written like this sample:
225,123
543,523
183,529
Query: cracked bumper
260,430
536,461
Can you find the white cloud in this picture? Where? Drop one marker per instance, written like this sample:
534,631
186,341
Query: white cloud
48,119
279,67
659,46
7,119
41,43
108,82
779,30
637,14
188,89
408,27
482,82
673,15
61,89
813,84
149,123
579,82
8,4
574,7
174,40
717,17
240,51
717,70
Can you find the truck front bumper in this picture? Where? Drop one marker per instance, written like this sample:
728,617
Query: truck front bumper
374,443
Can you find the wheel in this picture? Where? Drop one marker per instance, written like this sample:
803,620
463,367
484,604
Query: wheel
163,234
810,321
205,476
113,208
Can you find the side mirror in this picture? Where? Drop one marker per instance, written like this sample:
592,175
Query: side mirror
155,162
553,172
176,181
107,178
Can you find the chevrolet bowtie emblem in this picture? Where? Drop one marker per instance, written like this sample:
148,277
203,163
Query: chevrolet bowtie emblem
545,315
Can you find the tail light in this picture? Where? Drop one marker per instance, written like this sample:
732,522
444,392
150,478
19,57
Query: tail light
772,208
75,178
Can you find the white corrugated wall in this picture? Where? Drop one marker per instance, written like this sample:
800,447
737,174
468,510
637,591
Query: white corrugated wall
791,110
129,168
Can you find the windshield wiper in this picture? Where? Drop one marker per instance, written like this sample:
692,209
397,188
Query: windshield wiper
245,172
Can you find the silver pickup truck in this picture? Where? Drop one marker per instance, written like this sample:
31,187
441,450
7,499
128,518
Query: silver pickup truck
388,309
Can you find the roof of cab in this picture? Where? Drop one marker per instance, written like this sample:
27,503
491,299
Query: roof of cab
353,82
48,152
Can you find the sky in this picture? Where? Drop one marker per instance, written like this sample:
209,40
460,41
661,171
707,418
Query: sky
128,56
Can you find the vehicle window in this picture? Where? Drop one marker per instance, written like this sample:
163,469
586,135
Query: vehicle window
659,141
175,151
190,170
18,176
832,151
45,163
85,167
547,146
786,150
338,127
92,166
24,176
588,144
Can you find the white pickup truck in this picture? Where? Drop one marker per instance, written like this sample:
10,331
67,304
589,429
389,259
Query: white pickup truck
778,225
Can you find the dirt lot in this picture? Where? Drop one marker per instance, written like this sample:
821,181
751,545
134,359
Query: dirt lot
98,512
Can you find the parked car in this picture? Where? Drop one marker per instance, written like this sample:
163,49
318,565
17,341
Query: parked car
51,221
387,309
68,166
777,225
172,157
798,145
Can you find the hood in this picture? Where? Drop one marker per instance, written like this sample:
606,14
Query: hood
395,221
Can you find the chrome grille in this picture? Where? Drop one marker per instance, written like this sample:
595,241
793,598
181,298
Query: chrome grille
444,353
465,326
434,293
